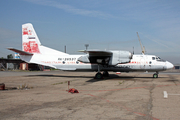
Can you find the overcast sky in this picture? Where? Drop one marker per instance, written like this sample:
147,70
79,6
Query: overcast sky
103,24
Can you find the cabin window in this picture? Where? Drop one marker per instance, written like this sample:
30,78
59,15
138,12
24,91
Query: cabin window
153,58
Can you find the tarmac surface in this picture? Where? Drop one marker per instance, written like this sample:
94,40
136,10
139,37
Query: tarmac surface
128,96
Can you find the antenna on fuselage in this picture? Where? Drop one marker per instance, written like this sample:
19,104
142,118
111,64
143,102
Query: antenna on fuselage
142,47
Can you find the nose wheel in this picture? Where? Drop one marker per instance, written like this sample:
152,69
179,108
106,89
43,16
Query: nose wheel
155,75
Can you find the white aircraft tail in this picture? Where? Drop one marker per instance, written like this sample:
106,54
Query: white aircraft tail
32,50
30,40
32,44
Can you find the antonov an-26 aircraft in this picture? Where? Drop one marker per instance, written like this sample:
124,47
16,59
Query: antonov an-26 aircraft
94,60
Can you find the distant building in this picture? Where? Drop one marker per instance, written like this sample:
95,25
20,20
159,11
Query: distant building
18,64
9,64
177,66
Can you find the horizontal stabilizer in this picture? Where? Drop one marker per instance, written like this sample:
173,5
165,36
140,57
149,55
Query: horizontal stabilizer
20,51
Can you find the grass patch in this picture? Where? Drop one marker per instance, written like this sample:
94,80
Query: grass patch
121,82
24,86
57,83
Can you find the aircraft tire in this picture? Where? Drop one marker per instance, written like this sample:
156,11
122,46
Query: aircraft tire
155,75
98,76
105,74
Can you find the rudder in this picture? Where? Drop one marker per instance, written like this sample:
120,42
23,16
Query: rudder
30,40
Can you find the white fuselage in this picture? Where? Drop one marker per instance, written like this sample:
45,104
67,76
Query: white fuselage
69,62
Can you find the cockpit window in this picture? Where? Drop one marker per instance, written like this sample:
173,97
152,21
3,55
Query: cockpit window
153,58
159,59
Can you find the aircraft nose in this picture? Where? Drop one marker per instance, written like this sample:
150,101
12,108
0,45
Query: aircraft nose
169,65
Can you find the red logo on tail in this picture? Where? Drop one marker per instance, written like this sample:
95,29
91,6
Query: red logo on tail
26,31
31,47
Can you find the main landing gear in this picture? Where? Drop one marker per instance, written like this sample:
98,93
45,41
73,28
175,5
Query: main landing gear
99,75
155,75
105,74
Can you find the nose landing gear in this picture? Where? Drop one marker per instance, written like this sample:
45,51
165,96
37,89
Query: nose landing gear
155,75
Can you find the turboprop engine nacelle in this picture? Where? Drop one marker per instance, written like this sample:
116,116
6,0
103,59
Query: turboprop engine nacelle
120,57
111,58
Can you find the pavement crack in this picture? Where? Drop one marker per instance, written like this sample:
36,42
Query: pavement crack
131,84
150,104
173,79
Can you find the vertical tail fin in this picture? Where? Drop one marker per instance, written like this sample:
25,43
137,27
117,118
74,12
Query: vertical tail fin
31,43
30,40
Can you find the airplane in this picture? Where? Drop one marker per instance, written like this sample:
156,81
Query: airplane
93,60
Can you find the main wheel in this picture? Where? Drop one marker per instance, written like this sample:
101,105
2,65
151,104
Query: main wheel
155,75
105,74
99,76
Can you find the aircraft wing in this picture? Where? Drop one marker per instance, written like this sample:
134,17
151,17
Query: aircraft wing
97,52
20,51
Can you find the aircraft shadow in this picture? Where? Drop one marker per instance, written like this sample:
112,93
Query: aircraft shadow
111,77
126,78
58,76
